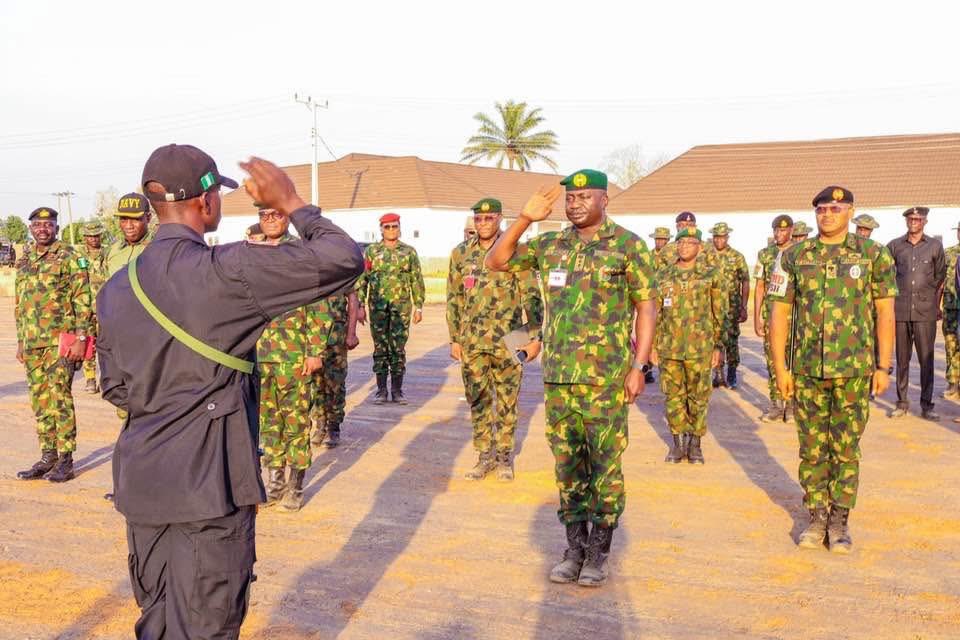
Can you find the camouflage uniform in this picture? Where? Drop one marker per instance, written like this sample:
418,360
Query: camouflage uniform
950,310
286,394
52,295
691,307
95,262
330,382
766,263
590,289
734,272
667,256
391,282
834,288
482,307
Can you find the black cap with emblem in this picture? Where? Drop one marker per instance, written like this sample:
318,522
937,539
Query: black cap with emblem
43,213
916,211
184,171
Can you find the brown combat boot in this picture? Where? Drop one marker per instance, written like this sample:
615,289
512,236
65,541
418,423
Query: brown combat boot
838,532
293,498
504,466
276,483
486,462
594,570
568,569
812,537
694,452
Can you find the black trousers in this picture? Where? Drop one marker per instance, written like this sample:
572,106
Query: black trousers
919,335
192,580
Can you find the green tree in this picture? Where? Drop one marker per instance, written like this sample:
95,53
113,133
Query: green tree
14,230
513,140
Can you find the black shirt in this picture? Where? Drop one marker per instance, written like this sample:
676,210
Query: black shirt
921,269
188,450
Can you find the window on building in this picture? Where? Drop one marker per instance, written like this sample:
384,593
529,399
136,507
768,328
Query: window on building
416,233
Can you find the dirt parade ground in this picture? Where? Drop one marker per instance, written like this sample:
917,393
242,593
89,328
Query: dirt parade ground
392,542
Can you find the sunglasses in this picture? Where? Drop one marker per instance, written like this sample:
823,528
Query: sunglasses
481,219
390,226
830,208
271,215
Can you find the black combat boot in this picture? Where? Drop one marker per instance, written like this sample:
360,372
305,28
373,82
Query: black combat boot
594,570
568,569
381,396
40,468
838,533
678,449
293,498
789,410
504,466
732,377
774,412
333,436
648,377
812,537
694,452
276,483
396,388
63,470
486,462
717,377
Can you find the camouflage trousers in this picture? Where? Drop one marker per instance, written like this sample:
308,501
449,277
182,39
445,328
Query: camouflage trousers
491,383
389,328
330,386
587,432
951,346
285,416
730,336
831,415
686,388
90,369
50,379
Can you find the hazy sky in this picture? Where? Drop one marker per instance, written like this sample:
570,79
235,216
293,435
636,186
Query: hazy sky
88,90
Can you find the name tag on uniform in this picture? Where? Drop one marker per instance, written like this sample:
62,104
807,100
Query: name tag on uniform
668,302
557,278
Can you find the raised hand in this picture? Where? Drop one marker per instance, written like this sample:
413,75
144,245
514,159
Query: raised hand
270,187
541,203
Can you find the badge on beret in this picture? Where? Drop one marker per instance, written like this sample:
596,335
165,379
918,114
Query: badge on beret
579,180
838,194
43,214
783,224
485,207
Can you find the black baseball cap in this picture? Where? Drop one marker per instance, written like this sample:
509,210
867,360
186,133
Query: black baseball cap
184,171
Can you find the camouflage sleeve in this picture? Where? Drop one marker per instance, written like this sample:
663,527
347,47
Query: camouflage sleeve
315,338
417,288
532,302
759,270
363,282
641,281
718,308
525,258
80,297
884,280
454,297
743,270
16,307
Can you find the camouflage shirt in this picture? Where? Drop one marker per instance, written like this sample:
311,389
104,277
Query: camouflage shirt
691,305
667,256
733,273
833,288
121,252
950,283
392,275
95,262
51,295
590,289
484,305
298,333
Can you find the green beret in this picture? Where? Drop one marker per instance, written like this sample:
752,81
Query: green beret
866,221
720,229
782,221
132,205
488,205
660,233
43,213
585,179
92,229
833,194
689,232
801,229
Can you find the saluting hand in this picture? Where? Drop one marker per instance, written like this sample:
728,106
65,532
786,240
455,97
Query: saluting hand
270,187
541,203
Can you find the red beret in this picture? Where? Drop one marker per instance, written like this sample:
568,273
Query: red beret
389,217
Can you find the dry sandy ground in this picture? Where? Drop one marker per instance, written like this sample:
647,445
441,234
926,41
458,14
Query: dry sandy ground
393,543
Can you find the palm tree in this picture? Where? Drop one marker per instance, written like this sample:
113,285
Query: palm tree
514,141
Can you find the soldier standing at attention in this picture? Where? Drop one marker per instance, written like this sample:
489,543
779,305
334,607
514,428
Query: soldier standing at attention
736,277
51,296
482,307
288,353
330,381
865,225
597,277
835,280
133,216
391,284
692,303
661,236
668,254
769,274
800,232
951,307
94,259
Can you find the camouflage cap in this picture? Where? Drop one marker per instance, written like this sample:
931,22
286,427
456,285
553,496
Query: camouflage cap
720,229
782,221
801,229
132,205
43,213
689,233
488,205
585,179
866,221
92,229
660,233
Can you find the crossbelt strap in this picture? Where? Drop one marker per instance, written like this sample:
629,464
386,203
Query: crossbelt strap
205,350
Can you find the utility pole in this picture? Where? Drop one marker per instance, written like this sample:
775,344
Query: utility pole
67,194
313,106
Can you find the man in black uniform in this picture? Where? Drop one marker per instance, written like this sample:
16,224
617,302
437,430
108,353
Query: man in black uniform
178,331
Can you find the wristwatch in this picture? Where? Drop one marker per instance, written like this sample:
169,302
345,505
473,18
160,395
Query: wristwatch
644,368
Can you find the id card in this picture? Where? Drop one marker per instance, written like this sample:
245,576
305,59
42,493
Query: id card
557,278
668,302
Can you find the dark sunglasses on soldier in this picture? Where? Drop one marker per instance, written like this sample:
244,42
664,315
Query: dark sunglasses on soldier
830,208
390,226
481,218
267,215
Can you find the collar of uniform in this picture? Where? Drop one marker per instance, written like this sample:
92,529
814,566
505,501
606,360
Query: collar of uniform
176,231
53,247
605,230
475,241
906,237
